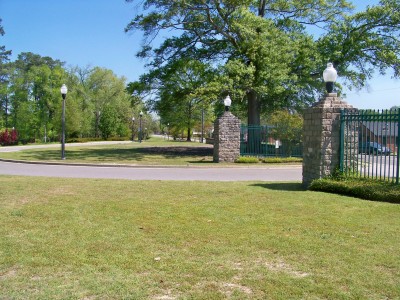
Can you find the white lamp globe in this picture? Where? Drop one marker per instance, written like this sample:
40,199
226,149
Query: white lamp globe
227,101
330,73
330,76
64,89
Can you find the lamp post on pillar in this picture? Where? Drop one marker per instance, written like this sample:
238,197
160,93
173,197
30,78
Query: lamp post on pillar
322,134
330,76
64,91
227,103
226,135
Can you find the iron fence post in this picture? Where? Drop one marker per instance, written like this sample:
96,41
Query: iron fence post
342,123
398,145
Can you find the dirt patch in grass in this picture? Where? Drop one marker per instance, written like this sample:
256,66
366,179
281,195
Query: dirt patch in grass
63,190
167,296
281,266
12,272
229,288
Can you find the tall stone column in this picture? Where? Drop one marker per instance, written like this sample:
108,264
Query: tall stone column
321,138
226,138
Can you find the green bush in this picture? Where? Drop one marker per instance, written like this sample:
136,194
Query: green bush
278,160
359,187
83,140
118,138
247,160
270,160
93,139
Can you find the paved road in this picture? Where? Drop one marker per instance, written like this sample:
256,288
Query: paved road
378,165
284,173
276,173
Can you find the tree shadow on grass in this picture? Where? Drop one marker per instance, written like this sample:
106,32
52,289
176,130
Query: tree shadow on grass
282,186
298,187
115,155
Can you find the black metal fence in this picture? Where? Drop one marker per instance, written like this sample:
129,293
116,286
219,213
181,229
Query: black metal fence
259,141
370,144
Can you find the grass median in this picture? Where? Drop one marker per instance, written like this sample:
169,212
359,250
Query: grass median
155,151
120,239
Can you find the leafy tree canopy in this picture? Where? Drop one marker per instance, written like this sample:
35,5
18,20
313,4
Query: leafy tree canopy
178,91
266,47
4,54
365,42
4,77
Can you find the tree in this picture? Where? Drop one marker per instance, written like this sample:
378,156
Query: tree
35,106
365,42
34,90
178,93
267,42
110,102
288,128
80,102
4,80
257,38
108,121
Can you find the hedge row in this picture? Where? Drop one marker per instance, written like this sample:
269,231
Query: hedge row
85,140
267,160
359,187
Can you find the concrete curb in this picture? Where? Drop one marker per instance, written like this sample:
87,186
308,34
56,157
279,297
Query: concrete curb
50,163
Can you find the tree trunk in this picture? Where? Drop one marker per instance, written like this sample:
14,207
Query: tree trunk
96,125
253,130
6,110
253,108
261,8
188,139
189,127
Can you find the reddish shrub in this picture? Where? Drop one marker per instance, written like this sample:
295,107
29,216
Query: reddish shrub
9,137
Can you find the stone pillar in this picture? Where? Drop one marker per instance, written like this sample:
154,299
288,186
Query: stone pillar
321,138
226,138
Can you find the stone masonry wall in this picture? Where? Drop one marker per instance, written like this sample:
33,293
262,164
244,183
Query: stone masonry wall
322,138
226,138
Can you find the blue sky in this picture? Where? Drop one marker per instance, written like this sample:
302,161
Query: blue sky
91,33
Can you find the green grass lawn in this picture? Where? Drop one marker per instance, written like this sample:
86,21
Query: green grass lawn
120,239
155,151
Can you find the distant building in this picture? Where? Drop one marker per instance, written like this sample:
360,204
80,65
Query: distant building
384,133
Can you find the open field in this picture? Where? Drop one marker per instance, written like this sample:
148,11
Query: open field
117,239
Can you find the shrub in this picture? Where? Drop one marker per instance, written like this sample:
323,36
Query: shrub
94,139
272,160
9,137
83,140
359,187
277,160
119,138
247,160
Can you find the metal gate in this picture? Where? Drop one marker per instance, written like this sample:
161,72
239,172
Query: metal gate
369,144
258,141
